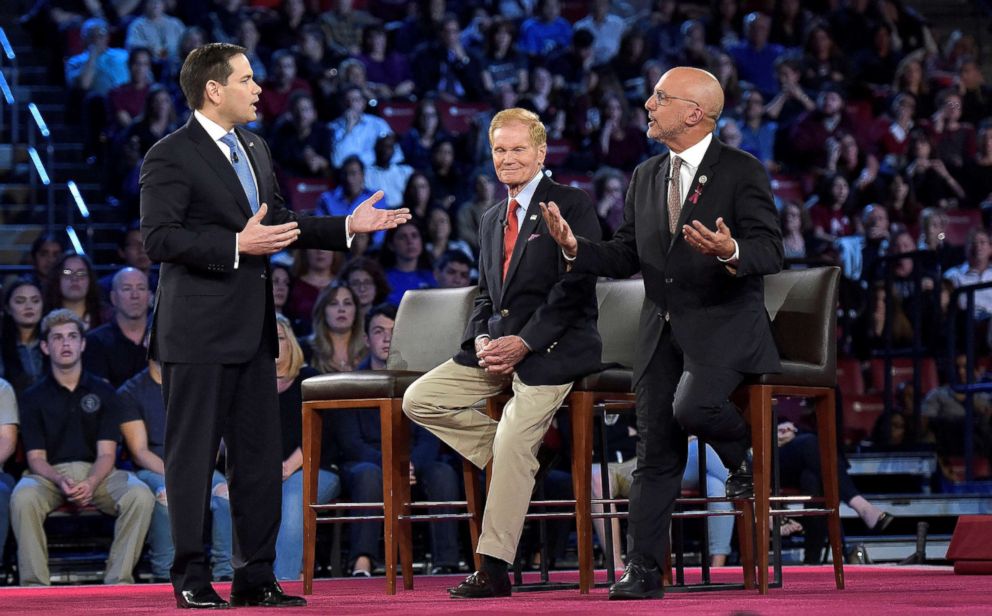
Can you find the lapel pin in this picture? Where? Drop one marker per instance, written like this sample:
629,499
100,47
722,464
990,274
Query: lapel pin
533,217
702,179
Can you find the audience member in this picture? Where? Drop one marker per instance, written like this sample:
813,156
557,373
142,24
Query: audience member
365,277
100,68
282,280
446,176
977,268
943,414
283,31
355,132
930,181
126,101
23,362
547,32
388,72
757,133
70,428
8,443
156,31
386,173
755,57
953,140
343,26
439,236
73,286
283,83
417,143
336,344
142,424
115,351
503,66
291,371
300,144
406,262
418,195
313,270
470,213
979,170
453,269
320,68
823,63
46,251
811,131
606,28
608,187
444,68
976,97
131,251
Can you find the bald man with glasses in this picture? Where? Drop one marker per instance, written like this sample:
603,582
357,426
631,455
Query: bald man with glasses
701,227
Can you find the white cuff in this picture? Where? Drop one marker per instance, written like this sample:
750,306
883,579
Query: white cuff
733,258
567,258
349,236
237,252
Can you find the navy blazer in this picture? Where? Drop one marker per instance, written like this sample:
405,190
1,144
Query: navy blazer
553,310
192,206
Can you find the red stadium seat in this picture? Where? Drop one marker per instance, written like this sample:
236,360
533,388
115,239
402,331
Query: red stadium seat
457,118
959,225
302,193
788,188
398,115
558,151
860,415
849,377
578,180
902,372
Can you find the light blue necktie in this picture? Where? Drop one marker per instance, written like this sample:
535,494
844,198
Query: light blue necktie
241,168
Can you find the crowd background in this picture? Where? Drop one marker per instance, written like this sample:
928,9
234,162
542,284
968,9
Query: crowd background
875,132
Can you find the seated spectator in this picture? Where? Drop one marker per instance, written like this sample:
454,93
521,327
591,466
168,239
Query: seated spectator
446,176
192,37
977,268
858,167
290,374
976,97
606,28
799,463
367,280
115,350
910,78
812,129
439,238
336,344
900,202
313,269
417,142
830,213
351,73
70,428
933,227
300,144
546,33
943,415
406,262
46,251
755,57
875,233
470,213
8,443
909,29
156,31
359,438
283,30
790,21
662,32
74,287
979,170
757,132
608,186
621,144
126,101
693,50
453,270
543,100
418,196
792,101
894,130
876,65
157,119
929,179
387,174
729,132
343,26
281,281
276,92
626,68
23,362
248,37
142,424
350,192
725,24
223,23
319,68
953,140
131,251
355,132
444,68
823,63
388,72
503,66
100,68
798,239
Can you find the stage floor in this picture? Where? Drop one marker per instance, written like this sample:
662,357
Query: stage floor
808,591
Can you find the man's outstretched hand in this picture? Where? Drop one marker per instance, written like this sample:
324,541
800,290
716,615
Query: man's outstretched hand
259,239
366,218
559,229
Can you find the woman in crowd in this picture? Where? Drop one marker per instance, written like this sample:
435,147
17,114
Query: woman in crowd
46,250
621,144
281,282
73,285
313,270
23,362
504,66
291,371
426,130
337,343
929,179
439,239
365,277
418,196
388,73
406,262
831,211
157,120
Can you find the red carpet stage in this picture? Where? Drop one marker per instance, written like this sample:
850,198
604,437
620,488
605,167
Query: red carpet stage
871,590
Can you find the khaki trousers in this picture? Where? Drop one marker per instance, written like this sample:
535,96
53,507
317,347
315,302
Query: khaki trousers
121,495
442,402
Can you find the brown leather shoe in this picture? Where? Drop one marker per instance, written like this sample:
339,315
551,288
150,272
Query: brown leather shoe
480,585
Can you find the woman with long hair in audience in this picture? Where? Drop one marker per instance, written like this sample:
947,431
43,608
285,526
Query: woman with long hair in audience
911,79
337,343
823,62
282,280
978,171
426,129
313,269
418,196
621,143
157,119
73,285
831,210
20,337
439,236
365,277
470,213
406,262
504,67
291,371
46,250
929,179
446,175
388,73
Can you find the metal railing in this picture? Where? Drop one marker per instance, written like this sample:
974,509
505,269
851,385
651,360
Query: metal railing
8,81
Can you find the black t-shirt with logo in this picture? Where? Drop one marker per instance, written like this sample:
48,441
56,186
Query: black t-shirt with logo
68,424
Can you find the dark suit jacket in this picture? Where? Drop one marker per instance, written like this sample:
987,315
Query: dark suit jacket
192,205
554,311
718,318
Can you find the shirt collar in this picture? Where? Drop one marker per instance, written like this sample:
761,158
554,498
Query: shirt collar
693,156
524,196
215,130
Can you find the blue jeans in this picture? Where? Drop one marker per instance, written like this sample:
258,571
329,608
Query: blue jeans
6,486
289,541
160,548
719,528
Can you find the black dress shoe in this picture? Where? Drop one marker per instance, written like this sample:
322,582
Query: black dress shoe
883,522
266,595
480,585
740,482
202,599
638,582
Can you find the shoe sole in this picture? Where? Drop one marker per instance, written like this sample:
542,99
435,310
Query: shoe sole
495,596
622,596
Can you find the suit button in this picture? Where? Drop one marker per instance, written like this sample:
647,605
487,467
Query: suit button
669,280
504,312
263,275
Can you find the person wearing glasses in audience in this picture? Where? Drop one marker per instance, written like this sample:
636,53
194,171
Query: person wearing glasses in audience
700,225
73,285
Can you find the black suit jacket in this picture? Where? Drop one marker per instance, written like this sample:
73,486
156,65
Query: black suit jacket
553,310
717,317
192,206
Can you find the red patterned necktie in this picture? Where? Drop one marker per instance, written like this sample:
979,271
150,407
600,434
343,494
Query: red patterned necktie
510,234
674,194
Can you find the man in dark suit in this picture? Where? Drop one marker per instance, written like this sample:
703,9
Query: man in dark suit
701,227
533,329
211,212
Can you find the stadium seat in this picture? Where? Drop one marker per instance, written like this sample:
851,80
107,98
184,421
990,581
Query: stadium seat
902,372
398,115
302,194
457,118
849,377
860,414
959,225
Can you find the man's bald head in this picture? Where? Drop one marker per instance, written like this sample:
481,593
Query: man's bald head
684,107
700,86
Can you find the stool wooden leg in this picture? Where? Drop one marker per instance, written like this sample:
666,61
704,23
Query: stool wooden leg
312,423
827,435
396,492
473,502
745,539
580,404
760,412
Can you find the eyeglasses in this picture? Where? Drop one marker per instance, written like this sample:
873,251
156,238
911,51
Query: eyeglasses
77,274
361,284
663,99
